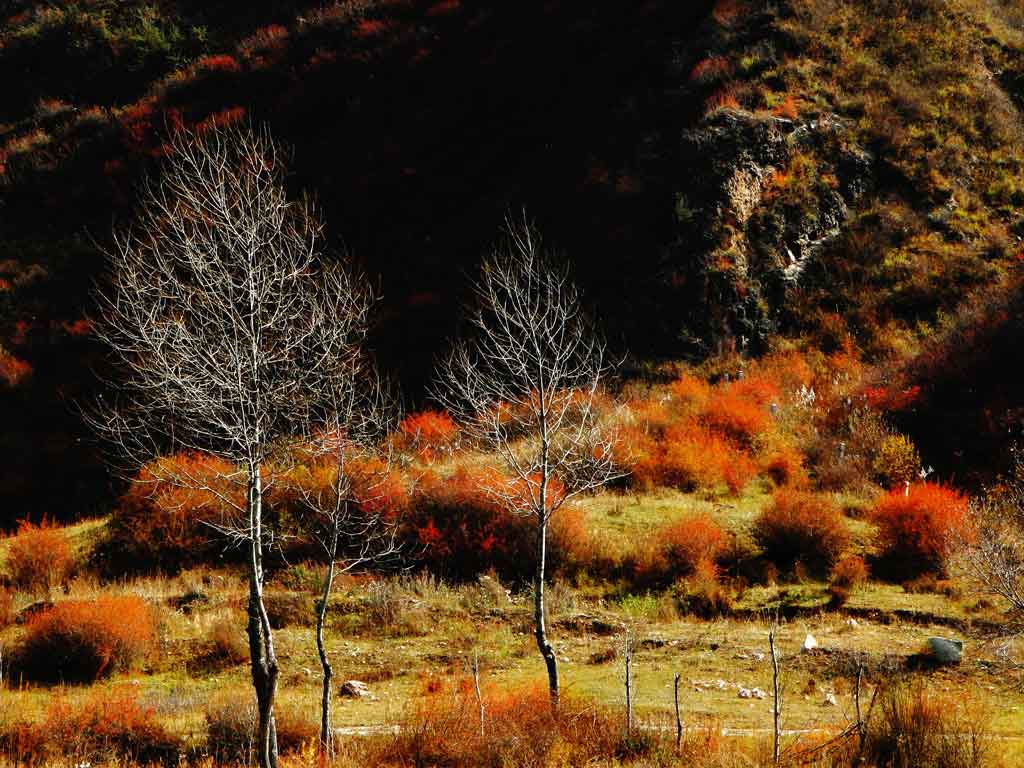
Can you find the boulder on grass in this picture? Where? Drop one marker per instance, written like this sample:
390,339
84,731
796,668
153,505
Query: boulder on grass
945,651
355,689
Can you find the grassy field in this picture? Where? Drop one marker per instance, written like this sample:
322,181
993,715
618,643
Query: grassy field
397,634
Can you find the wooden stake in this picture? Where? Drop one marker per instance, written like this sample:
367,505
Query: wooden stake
679,721
629,684
778,697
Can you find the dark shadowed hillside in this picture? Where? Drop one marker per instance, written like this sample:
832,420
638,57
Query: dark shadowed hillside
719,173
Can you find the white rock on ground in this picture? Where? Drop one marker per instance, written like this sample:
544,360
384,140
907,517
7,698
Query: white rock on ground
809,644
355,689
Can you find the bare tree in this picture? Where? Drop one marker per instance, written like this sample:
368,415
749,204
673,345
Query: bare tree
226,328
988,551
342,488
526,385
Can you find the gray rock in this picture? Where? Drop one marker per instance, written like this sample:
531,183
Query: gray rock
945,651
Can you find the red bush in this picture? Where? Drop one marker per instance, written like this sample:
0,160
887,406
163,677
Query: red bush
850,572
520,729
784,465
463,531
219,63
109,724
13,371
914,523
39,556
787,109
722,99
158,524
801,527
82,640
691,544
735,414
380,488
690,390
738,472
221,119
711,69
726,12
6,607
429,432
693,457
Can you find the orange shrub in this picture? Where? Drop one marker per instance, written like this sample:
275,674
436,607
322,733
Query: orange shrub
850,572
690,390
736,415
219,63
738,472
6,608
711,69
158,525
722,99
787,371
461,530
690,456
914,524
380,488
39,556
801,527
82,640
429,432
784,465
757,387
787,109
443,728
691,544
109,725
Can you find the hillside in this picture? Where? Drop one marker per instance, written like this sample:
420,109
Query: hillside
722,174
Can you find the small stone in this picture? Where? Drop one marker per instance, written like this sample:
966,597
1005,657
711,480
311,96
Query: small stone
809,644
852,623
721,685
745,693
830,700
757,693
758,656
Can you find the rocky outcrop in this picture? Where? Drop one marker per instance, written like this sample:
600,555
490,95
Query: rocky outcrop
742,239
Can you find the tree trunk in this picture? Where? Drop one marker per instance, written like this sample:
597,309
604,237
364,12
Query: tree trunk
326,736
538,615
261,639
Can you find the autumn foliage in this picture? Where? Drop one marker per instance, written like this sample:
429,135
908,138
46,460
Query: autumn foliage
159,523
109,724
689,546
6,607
459,529
520,730
914,524
850,572
429,433
799,526
83,640
39,556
